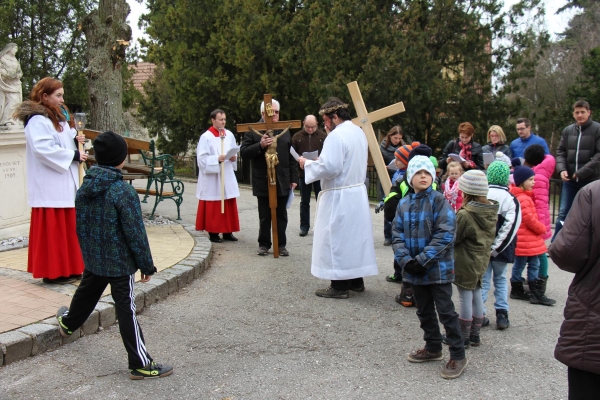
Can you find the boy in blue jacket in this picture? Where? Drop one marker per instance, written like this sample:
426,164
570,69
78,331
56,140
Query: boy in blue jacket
114,245
423,239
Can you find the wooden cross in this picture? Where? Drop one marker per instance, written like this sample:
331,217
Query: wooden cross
365,120
265,126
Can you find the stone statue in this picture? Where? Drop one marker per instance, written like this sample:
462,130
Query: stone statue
11,94
271,153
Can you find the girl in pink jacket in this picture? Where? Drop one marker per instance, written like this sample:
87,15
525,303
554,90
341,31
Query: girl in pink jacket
543,165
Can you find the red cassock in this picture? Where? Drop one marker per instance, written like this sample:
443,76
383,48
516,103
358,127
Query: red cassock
54,250
210,219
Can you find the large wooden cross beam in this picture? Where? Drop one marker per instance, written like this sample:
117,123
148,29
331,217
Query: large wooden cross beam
365,120
266,126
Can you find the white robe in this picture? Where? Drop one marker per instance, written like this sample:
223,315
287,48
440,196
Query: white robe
343,244
209,177
52,175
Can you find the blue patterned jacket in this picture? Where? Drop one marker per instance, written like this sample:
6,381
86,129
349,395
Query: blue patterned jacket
110,227
423,229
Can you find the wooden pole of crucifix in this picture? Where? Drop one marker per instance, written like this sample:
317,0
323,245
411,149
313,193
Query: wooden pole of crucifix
365,120
271,158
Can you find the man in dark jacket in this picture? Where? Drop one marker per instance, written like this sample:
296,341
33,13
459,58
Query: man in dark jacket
576,249
577,157
114,246
254,148
309,139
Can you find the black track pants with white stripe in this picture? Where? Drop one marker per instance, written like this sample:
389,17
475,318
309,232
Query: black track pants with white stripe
122,289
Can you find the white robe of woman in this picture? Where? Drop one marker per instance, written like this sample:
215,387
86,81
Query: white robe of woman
209,177
52,175
343,242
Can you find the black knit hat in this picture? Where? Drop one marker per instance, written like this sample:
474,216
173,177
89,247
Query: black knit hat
110,149
420,150
521,174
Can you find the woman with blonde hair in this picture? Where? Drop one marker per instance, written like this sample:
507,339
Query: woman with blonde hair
497,142
52,181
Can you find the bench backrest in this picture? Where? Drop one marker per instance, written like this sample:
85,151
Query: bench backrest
134,145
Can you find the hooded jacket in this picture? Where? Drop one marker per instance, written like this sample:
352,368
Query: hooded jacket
423,230
509,221
529,236
110,227
475,233
541,192
578,151
576,249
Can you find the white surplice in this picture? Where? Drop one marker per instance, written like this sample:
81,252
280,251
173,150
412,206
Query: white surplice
209,177
343,243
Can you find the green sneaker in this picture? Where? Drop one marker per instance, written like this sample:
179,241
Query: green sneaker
152,370
64,331
392,278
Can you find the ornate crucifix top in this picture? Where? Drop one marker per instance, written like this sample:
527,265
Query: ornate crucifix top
268,124
365,120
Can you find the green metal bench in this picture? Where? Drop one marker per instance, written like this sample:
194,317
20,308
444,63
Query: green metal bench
158,169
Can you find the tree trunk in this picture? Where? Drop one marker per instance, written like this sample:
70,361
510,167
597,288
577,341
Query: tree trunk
107,35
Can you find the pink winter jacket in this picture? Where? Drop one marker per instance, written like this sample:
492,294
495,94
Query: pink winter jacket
541,192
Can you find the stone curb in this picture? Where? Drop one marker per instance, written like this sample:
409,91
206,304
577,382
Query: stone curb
44,336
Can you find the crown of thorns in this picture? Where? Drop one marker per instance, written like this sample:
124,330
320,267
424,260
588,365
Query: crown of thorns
329,110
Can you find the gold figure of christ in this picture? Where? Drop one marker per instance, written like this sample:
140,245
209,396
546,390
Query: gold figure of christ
271,153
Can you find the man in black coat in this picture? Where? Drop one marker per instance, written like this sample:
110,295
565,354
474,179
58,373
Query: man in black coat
254,148
577,158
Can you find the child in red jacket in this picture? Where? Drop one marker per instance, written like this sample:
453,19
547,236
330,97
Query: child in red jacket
530,243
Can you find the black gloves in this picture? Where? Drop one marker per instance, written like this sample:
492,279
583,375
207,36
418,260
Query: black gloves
413,267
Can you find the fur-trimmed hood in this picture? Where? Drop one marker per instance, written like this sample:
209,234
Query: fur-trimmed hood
28,109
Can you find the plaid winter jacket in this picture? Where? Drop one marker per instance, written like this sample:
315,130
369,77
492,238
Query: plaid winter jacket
423,230
110,226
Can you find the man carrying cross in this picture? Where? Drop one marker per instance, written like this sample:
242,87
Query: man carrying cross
343,249
253,148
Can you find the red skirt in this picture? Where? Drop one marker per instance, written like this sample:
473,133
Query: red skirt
210,219
54,250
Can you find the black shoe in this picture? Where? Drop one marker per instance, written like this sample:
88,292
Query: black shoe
64,331
214,237
387,242
537,297
517,292
502,321
303,232
332,293
358,289
59,281
153,370
486,321
283,252
230,237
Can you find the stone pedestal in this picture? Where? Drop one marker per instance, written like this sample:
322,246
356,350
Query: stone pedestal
15,213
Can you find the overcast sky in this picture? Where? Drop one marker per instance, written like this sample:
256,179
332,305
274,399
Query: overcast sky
555,24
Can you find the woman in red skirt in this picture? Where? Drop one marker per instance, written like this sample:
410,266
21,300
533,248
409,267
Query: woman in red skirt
52,162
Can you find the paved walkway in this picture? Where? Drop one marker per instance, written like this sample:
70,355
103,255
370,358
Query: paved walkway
26,300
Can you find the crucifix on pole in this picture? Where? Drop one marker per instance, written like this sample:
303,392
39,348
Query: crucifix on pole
271,157
365,120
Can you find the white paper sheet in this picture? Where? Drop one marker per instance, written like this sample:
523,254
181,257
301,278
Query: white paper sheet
290,199
488,158
456,157
392,166
313,155
232,152
294,153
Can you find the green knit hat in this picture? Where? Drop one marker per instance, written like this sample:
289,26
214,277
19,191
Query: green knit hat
497,173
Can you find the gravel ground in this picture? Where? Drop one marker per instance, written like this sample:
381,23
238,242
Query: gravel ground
252,328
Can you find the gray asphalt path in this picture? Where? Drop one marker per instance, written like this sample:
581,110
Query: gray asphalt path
252,328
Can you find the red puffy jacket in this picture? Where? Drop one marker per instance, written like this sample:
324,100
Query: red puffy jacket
529,235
